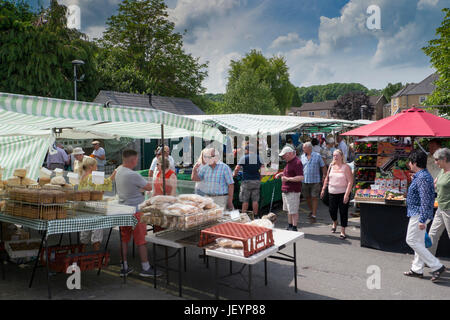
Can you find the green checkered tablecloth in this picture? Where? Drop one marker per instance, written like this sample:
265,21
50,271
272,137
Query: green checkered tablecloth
78,222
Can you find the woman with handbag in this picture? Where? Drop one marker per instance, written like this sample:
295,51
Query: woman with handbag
338,183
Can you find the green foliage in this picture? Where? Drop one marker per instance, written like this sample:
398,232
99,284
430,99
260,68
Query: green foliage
439,52
330,91
141,53
348,107
271,73
248,94
391,89
219,97
35,57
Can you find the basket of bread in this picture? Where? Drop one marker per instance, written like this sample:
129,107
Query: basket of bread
395,198
183,213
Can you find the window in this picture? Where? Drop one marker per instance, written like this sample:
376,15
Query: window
395,102
323,113
422,99
311,113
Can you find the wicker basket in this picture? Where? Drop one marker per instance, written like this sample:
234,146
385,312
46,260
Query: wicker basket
61,213
96,195
48,213
85,195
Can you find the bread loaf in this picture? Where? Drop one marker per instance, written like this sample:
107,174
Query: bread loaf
44,181
59,180
28,182
14,182
21,173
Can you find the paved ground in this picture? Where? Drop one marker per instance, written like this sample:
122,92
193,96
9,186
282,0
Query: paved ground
328,268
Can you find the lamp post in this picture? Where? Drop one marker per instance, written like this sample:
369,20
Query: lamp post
362,111
75,79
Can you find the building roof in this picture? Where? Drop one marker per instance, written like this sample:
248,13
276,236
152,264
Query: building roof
180,106
375,99
314,106
426,86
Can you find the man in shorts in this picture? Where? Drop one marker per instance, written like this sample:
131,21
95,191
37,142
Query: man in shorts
251,183
291,185
130,186
312,164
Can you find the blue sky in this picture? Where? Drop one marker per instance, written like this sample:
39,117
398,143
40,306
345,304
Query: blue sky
323,41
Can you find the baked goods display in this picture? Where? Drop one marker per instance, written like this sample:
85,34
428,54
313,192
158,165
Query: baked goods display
96,195
182,213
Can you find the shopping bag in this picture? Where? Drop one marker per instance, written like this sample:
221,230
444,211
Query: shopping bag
428,242
326,197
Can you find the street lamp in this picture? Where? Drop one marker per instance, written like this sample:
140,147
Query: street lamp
362,111
75,79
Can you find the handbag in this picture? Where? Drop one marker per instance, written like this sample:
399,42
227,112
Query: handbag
326,195
428,242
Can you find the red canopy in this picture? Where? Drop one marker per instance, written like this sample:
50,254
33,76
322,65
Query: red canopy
413,122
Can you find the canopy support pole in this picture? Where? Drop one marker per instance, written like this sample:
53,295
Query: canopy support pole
163,165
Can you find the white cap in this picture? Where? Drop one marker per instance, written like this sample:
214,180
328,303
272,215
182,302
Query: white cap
77,151
285,150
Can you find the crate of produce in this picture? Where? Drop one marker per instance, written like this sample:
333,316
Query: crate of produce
254,238
61,257
23,248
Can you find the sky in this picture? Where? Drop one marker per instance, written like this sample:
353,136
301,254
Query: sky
323,41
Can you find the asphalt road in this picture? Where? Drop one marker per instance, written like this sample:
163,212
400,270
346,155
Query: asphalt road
328,268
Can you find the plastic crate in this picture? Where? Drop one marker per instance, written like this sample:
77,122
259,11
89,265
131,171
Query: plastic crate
61,257
255,239
14,254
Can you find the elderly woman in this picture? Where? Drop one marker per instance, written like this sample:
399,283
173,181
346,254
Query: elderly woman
420,202
442,184
339,182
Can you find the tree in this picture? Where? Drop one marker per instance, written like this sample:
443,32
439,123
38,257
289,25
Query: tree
273,72
391,89
348,107
142,53
296,101
439,53
331,91
36,53
249,95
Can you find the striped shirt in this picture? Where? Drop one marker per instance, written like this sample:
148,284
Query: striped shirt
420,199
216,181
311,167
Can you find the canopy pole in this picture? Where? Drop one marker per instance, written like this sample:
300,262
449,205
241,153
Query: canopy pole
163,165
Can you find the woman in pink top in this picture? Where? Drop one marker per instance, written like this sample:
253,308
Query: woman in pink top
339,182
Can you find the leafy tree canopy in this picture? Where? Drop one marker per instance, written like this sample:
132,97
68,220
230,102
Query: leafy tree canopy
142,53
36,53
439,52
272,72
348,107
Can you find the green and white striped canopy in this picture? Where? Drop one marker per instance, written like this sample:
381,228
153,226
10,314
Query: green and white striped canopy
26,124
23,152
50,113
251,124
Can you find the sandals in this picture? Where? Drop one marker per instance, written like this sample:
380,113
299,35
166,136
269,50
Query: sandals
437,274
333,230
343,236
413,274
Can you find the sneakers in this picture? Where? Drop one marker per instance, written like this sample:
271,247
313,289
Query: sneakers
437,274
126,272
150,273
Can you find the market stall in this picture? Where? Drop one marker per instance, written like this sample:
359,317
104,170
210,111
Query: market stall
382,178
54,205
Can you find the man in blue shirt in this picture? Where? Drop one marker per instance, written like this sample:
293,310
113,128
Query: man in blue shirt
59,159
250,187
420,203
312,164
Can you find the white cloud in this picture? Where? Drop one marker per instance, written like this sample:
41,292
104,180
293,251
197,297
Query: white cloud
287,40
426,3
95,31
190,14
